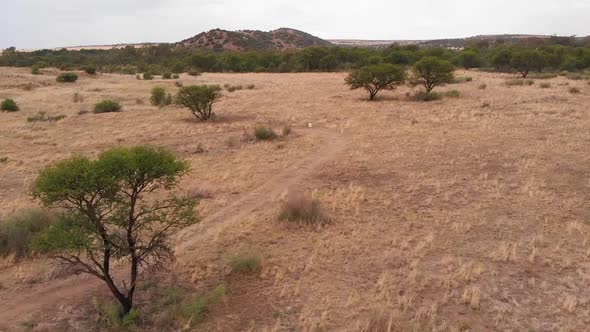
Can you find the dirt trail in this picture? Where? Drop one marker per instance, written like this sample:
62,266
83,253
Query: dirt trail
55,293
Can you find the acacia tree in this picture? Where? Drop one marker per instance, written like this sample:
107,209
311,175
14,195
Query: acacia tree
375,78
470,59
431,71
199,99
527,60
110,213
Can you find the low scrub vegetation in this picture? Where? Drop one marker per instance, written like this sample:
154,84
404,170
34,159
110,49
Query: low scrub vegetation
574,90
264,133
107,106
245,263
148,76
519,82
43,117
90,70
300,207
67,78
160,98
8,105
482,86
545,85
453,94
167,76
427,96
17,232
199,99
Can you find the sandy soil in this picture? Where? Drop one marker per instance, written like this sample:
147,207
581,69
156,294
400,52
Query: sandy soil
468,213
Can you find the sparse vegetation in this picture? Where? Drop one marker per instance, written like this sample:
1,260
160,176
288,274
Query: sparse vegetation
375,78
246,262
43,117
167,76
17,231
159,97
90,70
199,100
78,98
148,76
194,72
9,105
107,200
300,207
453,94
574,90
482,86
545,85
264,133
67,78
427,96
107,106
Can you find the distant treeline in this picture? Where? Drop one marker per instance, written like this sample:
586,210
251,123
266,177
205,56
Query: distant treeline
169,58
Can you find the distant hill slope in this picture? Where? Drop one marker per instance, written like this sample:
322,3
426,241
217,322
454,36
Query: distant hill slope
252,40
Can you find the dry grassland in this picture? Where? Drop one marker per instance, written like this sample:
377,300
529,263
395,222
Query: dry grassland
465,214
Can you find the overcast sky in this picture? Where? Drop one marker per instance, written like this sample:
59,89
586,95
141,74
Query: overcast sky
54,23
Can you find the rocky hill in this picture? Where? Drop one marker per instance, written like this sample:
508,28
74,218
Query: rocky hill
252,40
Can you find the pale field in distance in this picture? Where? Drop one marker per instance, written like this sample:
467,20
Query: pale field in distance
465,213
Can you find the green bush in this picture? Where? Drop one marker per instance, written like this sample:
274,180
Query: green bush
148,76
67,78
167,76
36,70
158,97
264,133
90,70
9,105
427,96
17,231
175,76
199,99
107,106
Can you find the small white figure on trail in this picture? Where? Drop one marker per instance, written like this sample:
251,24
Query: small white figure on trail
309,125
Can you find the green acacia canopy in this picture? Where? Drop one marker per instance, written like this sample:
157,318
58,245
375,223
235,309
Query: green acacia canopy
375,78
111,211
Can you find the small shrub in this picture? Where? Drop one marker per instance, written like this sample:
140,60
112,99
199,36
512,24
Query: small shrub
545,85
543,76
158,97
67,78
167,76
482,86
148,76
468,79
264,133
107,106
485,104
17,232
286,131
250,86
427,96
82,112
199,99
299,207
453,94
43,117
3,160
238,87
529,82
245,263
9,105
194,72
175,76
138,77
90,70
230,88
78,98
519,82
574,90
36,70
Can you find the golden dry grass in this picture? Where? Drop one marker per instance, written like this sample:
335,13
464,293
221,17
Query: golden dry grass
445,216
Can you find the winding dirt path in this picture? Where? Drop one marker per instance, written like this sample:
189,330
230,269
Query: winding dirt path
55,293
